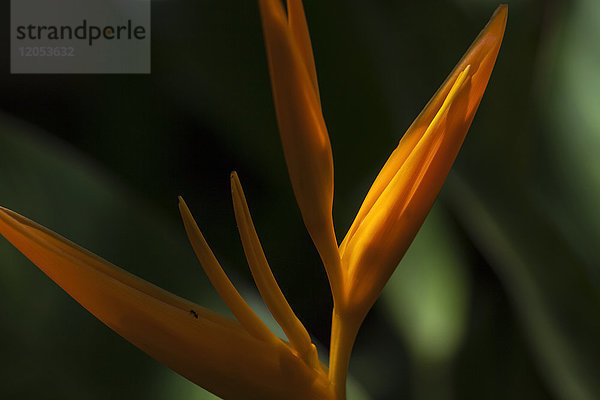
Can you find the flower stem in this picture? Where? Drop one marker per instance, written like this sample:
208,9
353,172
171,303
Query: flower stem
343,333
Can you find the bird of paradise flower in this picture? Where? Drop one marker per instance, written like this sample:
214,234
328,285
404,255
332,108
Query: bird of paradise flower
242,358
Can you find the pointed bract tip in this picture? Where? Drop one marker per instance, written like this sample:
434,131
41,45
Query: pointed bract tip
235,183
500,14
182,205
5,210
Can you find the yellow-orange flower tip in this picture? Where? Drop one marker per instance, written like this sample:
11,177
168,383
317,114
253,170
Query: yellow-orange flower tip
210,350
409,182
302,129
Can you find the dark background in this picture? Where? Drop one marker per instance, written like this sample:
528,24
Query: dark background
498,297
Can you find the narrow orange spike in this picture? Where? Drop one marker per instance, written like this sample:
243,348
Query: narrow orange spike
236,304
265,281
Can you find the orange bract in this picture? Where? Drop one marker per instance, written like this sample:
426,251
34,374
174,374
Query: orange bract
409,182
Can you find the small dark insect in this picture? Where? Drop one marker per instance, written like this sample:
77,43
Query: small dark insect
194,313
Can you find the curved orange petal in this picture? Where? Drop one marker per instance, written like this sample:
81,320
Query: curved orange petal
408,184
208,349
304,136
481,56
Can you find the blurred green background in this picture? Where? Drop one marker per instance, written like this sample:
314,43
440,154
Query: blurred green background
497,298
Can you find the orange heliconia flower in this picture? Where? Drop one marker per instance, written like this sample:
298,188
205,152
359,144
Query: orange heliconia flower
242,358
